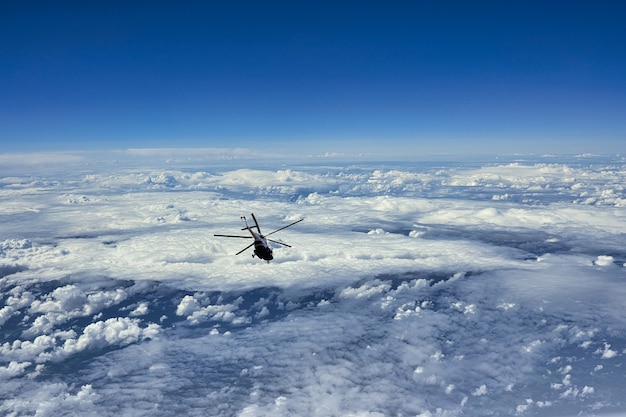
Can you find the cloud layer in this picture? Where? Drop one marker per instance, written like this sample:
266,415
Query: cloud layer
410,289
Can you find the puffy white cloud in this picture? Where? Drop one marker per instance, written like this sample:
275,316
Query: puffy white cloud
141,310
16,299
68,302
13,369
604,260
114,331
195,308
188,305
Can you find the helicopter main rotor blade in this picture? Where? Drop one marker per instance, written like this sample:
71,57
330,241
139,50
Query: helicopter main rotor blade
241,237
246,248
256,223
284,227
280,243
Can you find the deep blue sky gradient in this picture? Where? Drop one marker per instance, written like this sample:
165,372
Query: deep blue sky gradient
396,76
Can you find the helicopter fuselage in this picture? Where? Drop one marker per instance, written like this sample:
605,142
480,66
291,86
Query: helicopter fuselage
261,248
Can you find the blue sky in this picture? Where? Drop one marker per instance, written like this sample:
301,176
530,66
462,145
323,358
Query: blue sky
400,76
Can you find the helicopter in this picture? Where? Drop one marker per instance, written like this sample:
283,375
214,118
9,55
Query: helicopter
261,247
